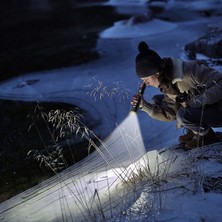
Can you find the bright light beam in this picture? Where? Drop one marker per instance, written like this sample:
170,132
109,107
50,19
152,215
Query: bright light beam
125,144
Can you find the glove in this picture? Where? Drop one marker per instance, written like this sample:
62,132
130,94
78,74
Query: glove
182,98
137,99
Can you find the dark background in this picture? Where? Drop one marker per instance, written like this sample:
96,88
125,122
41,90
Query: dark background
37,37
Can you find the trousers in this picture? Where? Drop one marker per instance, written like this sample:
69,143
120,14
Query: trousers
198,120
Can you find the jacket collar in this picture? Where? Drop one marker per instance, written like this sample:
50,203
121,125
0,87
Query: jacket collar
177,70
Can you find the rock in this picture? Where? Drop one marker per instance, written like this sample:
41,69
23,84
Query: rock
209,45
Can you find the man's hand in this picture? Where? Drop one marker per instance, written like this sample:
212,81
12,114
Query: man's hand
137,99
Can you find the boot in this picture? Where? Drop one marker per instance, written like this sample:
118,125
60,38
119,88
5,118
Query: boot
199,141
186,137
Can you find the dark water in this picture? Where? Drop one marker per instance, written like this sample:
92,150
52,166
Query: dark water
46,34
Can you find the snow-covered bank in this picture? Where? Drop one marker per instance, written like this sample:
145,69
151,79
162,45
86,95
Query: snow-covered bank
100,185
164,185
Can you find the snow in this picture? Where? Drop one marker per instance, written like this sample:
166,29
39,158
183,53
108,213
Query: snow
124,29
110,183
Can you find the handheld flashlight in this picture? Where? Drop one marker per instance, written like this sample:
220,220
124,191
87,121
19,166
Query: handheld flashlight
140,94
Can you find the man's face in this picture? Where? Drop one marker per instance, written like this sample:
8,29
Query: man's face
152,80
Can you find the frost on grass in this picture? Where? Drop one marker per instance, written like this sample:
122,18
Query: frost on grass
98,90
67,123
179,176
63,127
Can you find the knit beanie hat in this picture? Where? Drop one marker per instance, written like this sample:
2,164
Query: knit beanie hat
148,62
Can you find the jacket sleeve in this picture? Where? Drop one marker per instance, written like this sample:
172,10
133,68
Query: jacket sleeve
210,82
165,112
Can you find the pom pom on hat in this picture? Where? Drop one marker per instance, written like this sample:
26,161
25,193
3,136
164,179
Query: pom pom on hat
148,62
143,47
